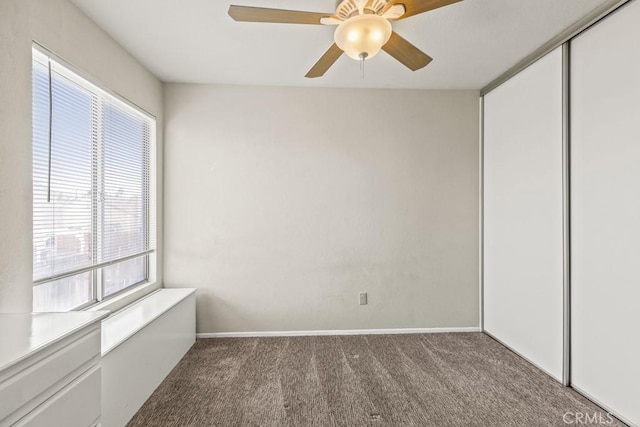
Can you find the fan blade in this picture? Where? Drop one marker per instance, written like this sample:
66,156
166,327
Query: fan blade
405,52
324,63
279,16
415,7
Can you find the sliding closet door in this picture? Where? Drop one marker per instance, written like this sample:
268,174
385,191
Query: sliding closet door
605,219
523,245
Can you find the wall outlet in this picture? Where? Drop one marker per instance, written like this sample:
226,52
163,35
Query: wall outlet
363,298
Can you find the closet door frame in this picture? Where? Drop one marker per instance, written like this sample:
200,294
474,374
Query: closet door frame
563,39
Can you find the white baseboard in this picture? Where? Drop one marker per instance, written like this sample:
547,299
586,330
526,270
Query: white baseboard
335,332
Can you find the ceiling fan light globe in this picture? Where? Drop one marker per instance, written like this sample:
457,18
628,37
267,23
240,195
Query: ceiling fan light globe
363,34
353,36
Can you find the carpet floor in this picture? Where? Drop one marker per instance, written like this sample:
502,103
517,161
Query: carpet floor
462,379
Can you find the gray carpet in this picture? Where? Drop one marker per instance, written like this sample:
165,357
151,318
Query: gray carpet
464,379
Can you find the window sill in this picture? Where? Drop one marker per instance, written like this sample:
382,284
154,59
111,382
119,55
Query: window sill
125,298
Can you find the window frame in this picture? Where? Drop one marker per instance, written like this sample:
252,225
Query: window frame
43,55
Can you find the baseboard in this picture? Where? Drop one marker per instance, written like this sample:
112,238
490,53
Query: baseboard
335,332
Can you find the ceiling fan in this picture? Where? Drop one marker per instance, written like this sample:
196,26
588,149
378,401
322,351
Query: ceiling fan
363,28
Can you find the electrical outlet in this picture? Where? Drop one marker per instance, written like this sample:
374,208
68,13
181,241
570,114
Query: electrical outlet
363,298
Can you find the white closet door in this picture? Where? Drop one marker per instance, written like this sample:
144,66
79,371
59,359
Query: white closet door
523,247
605,219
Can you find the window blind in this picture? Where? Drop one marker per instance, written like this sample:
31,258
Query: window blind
91,181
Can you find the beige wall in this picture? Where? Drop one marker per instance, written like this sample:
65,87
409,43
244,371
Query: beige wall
65,30
282,204
15,157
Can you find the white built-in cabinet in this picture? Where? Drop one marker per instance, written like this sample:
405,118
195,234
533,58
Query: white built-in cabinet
50,372
540,229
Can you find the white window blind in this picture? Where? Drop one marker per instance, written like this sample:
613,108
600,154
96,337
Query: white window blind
92,224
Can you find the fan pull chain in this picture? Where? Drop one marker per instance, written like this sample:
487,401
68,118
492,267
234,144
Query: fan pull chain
363,56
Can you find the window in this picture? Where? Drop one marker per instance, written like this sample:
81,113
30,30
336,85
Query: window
92,222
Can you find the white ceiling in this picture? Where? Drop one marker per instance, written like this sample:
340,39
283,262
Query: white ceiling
195,41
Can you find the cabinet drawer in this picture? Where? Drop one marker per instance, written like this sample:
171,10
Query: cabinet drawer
76,405
28,384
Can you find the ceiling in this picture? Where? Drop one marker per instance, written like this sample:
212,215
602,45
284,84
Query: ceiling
195,41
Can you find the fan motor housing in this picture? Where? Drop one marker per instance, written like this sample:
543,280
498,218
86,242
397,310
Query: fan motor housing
348,8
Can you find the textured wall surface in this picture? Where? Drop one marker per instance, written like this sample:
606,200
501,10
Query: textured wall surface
282,204
15,157
62,28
